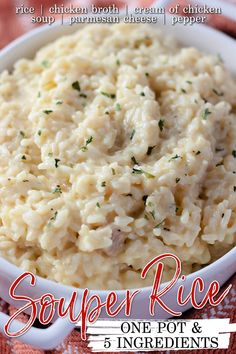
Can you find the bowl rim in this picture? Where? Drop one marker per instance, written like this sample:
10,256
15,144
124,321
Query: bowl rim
48,283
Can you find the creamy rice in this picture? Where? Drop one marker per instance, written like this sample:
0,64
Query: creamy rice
116,145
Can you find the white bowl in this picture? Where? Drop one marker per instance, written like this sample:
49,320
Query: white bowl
202,37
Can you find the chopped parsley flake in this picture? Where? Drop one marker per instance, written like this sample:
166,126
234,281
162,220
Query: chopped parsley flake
132,134
142,93
161,124
234,153
198,152
23,157
183,90
98,205
47,111
149,150
59,102
76,85
189,82
57,189
117,62
103,184
234,188
220,163
139,171
205,114
57,162
83,95
174,158
218,93
53,218
45,63
22,134
109,95
118,107
134,160
113,171
177,180
153,214
160,224
107,112
88,141
39,132
147,74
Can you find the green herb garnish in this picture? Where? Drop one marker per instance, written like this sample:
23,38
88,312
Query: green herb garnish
234,153
103,184
23,157
160,224
152,213
45,63
218,93
174,158
205,114
161,124
53,218
132,134
134,160
47,111
149,150
109,95
57,189
118,107
88,141
220,163
76,85
140,171
57,162
177,180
